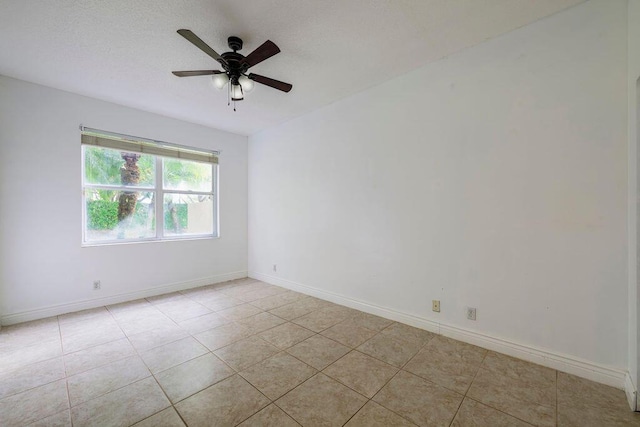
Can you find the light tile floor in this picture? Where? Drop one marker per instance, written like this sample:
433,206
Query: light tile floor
252,354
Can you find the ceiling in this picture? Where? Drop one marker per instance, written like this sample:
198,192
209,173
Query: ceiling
123,51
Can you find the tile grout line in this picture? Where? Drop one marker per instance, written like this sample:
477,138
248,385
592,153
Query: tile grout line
280,351
491,405
125,336
210,351
256,389
556,414
370,399
283,351
294,388
171,404
137,353
236,372
401,369
61,356
464,396
145,364
64,365
117,360
499,410
351,350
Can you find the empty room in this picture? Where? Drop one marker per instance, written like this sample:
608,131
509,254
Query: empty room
319,213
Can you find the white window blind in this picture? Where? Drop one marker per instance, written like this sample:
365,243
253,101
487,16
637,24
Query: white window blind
139,145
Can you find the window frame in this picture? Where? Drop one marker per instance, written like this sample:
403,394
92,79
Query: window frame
159,192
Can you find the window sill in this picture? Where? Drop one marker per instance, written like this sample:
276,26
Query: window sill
145,241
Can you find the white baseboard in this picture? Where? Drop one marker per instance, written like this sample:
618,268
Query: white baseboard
631,391
55,310
602,374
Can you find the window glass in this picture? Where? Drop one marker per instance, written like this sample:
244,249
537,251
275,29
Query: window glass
131,197
112,167
186,214
186,175
114,214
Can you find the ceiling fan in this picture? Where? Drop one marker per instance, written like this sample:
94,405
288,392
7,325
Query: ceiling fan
235,66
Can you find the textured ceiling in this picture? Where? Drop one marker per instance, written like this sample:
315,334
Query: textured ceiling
123,51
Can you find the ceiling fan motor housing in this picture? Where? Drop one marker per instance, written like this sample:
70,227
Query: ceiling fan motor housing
235,43
234,65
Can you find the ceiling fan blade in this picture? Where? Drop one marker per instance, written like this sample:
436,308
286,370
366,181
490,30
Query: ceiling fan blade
264,51
196,73
276,84
197,41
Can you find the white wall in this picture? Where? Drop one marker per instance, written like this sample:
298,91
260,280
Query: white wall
633,76
495,178
43,268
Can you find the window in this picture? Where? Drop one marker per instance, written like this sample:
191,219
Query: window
140,190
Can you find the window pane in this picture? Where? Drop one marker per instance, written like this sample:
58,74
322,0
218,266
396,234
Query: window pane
186,214
187,175
119,215
112,167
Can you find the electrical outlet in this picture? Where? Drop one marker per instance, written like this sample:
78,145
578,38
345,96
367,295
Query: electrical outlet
435,305
96,285
471,313
275,268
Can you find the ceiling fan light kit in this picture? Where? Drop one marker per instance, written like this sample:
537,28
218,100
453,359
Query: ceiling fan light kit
246,83
235,66
219,80
235,91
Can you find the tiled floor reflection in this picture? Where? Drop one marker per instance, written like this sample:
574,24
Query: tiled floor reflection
252,354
